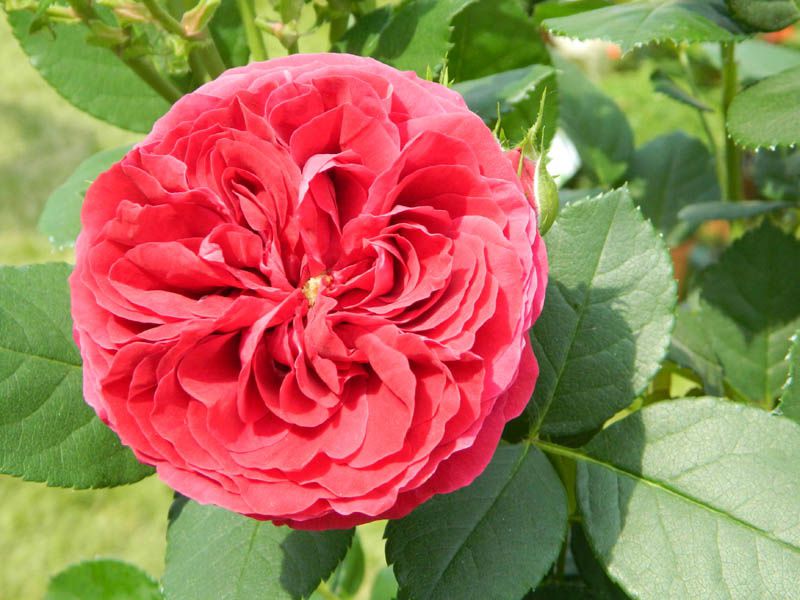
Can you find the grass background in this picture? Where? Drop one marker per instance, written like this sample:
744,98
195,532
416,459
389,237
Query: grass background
42,139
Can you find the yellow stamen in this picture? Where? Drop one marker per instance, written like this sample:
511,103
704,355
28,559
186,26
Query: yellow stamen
312,287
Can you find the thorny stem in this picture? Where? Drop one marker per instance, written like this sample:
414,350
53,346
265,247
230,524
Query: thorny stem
734,189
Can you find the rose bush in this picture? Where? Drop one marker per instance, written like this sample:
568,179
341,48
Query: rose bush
305,295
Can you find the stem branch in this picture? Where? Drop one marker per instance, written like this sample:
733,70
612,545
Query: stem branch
258,51
734,188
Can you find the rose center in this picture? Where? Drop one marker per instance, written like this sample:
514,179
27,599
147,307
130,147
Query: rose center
312,287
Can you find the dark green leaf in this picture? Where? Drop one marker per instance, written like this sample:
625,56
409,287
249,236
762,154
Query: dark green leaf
777,174
47,432
61,217
691,348
765,15
590,569
729,211
103,580
562,590
607,316
695,498
790,399
492,36
637,23
214,554
765,115
414,36
90,77
596,125
664,84
510,520
519,94
750,307
668,173
228,32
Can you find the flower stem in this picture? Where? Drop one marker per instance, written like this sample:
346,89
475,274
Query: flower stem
166,20
734,188
683,58
258,51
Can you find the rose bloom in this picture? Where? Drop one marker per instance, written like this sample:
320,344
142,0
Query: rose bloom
305,295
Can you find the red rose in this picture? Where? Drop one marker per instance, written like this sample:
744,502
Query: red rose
305,296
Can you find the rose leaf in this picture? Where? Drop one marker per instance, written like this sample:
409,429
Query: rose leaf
47,432
215,554
103,580
511,519
607,317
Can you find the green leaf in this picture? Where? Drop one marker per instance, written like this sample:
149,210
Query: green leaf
765,115
750,307
103,580
415,35
695,498
765,15
607,316
214,554
492,36
228,32
511,520
385,585
644,21
590,569
729,211
691,348
758,59
519,95
790,400
667,174
349,575
47,432
569,589
666,85
594,123
61,218
777,174
90,77
557,8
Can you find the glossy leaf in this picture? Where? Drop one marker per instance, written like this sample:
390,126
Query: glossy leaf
415,35
492,36
511,519
214,554
103,580
72,67
695,498
61,218
643,21
667,174
607,316
47,432
594,123
750,307
765,115
518,94
790,399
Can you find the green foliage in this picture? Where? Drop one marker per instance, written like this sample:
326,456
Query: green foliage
729,211
765,15
103,580
71,66
61,218
518,94
634,24
608,316
777,174
667,174
691,348
689,499
765,115
750,307
414,35
483,34
47,432
214,554
464,545
664,84
596,125
228,32
790,399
